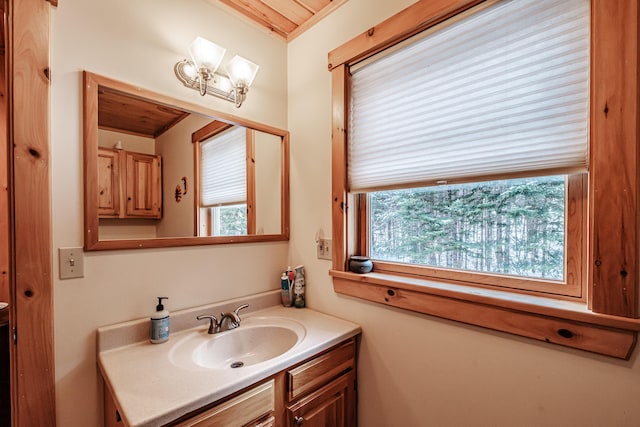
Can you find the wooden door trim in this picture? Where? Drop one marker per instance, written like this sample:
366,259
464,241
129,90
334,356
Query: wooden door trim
32,372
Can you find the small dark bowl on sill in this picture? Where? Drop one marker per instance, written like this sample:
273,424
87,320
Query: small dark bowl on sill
360,264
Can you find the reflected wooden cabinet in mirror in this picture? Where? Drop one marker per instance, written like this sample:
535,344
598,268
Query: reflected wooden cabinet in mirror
129,184
161,172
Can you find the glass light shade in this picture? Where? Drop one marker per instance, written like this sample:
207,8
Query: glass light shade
224,84
242,71
206,54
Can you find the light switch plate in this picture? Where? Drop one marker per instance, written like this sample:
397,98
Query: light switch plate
324,249
71,263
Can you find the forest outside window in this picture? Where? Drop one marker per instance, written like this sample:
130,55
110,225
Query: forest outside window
485,155
514,233
479,179
511,227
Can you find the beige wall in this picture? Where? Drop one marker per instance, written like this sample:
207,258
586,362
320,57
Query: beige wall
416,370
138,42
175,145
137,143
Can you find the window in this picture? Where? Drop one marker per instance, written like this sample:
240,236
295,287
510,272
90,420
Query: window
224,180
531,148
514,227
510,227
224,220
468,105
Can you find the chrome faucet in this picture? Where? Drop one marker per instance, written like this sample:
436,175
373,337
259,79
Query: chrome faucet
214,327
233,320
233,317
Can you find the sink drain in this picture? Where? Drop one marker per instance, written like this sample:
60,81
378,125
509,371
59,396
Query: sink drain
237,364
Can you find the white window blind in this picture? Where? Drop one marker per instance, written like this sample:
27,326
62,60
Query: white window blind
223,168
503,91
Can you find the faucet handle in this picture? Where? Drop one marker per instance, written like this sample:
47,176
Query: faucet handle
237,310
213,322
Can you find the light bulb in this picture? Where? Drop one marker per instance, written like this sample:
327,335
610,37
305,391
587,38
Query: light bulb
241,71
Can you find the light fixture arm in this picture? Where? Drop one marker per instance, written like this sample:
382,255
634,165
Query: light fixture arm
205,76
240,94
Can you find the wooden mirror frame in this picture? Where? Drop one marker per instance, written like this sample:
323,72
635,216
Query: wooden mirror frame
92,242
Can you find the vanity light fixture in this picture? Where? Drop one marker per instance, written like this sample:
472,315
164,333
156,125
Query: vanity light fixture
200,73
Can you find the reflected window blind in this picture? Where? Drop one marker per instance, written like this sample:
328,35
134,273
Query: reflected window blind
503,91
223,168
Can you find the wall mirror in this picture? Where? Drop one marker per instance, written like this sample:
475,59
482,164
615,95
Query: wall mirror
160,172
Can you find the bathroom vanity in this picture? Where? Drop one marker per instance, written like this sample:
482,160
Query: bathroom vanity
281,367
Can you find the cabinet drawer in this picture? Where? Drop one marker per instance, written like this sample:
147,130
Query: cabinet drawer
320,370
239,411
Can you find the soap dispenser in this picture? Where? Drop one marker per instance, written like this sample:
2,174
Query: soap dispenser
159,331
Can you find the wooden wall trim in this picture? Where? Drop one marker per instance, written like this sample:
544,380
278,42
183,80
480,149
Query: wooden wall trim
614,171
406,23
32,359
339,85
285,202
90,132
614,342
4,185
213,128
250,162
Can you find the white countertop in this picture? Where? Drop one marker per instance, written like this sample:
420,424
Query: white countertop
150,390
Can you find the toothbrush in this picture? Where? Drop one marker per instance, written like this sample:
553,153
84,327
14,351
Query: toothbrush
291,275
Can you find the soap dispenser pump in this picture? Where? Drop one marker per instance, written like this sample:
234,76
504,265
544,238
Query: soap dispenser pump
159,331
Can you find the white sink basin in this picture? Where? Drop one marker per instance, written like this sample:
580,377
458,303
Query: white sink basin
257,340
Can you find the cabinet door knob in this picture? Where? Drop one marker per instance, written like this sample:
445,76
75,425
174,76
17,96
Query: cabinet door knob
298,420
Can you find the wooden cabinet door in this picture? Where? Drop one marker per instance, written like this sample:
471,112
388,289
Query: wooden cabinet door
143,196
333,405
108,183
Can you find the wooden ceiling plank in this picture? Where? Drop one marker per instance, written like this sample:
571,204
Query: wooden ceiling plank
285,18
314,6
134,115
289,9
263,15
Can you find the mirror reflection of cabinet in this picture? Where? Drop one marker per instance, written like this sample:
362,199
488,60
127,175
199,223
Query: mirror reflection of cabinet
144,185
129,184
108,183
120,115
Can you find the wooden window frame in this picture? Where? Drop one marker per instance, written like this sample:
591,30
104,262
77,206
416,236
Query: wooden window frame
572,287
604,319
203,134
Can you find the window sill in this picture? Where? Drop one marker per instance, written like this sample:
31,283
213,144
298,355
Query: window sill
550,320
